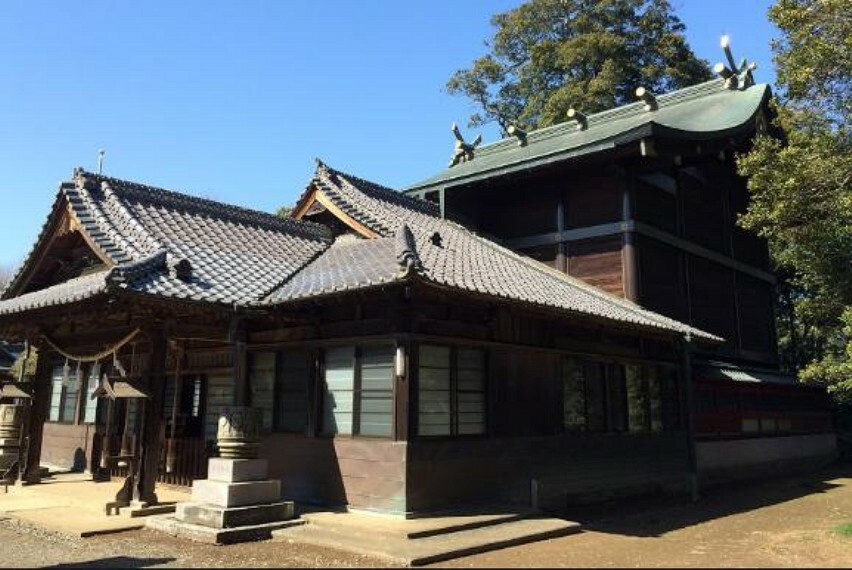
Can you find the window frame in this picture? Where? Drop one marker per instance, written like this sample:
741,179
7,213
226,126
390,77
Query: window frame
453,393
357,392
76,410
606,378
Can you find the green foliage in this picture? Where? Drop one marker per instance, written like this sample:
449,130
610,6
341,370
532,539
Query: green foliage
550,55
284,211
801,192
844,530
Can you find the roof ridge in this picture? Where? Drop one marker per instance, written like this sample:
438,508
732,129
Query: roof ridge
394,196
406,251
131,218
135,269
627,110
102,222
212,207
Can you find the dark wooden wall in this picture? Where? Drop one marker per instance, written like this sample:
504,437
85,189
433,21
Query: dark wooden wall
568,468
659,231
68,446
361,473
598,261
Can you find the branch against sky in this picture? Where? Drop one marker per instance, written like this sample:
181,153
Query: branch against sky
547,56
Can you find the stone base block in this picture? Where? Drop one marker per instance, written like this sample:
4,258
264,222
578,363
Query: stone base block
174,527
222,494
237,470
221,517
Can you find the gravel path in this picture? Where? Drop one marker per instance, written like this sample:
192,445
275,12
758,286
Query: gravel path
28,546
787,522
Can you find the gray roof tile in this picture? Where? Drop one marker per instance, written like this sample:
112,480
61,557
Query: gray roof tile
175,246
453,256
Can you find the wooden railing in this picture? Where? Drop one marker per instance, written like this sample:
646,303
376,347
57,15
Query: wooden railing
190,463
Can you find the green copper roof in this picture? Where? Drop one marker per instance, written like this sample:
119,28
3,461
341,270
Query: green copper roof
704,111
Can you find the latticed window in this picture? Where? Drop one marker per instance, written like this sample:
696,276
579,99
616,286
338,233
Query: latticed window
63,397
358,390
615,397
452,391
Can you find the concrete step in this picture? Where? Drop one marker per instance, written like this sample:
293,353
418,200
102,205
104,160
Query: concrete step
430,549
416,528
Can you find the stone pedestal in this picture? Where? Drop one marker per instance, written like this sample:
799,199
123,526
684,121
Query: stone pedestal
11,422
237,501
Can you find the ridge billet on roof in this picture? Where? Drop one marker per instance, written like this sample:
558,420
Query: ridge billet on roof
372,189
86,209
127,188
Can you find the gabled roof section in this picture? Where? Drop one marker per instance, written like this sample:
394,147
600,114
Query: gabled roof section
338,192
167,244
444,254
705,111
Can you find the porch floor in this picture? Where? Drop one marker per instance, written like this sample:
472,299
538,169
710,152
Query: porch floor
73,504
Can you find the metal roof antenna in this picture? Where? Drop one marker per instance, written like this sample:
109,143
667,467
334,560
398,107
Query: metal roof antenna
101,154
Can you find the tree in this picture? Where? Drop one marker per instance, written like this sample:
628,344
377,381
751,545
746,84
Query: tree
801,192
284,211
550,55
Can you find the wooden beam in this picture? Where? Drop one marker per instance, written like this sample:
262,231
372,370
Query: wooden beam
343,216
616,228
601,230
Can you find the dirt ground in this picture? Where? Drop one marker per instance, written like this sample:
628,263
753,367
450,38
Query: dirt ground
786,522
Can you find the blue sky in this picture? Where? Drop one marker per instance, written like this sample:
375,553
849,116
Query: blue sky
233,100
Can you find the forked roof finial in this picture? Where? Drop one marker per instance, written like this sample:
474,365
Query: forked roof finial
736,76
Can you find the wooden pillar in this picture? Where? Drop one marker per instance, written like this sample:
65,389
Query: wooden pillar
38,413
561,247
630,272
238,337
688,415
402,390
148,459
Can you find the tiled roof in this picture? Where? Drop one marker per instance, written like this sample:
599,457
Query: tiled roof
76,289
173,245
170,245
703,111
447,255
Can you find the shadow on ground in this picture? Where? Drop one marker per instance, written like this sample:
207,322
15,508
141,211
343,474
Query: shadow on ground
116,562
655,516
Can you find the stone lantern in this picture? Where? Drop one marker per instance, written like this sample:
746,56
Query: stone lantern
237,501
